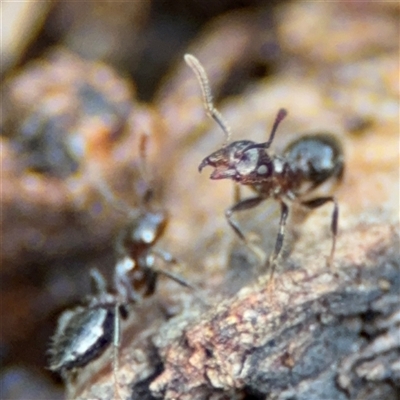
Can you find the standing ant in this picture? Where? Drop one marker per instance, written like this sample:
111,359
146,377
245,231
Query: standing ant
85,332
292,177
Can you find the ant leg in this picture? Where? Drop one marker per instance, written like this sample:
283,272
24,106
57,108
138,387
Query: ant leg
116,346
98,283
236,193
68,383
166,257
177,278
245,204
151,278
279,239
278,246
312,204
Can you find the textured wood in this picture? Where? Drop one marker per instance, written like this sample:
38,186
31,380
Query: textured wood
317,334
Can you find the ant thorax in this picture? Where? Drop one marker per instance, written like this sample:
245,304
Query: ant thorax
280,181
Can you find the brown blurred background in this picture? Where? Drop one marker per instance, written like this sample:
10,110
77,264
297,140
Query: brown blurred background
81,81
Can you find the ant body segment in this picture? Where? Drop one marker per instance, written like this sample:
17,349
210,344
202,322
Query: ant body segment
85,332
292,177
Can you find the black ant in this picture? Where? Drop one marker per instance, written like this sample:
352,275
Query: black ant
305,164
85,332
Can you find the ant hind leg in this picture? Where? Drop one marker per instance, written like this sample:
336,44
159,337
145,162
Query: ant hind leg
278,244
315,203
116,347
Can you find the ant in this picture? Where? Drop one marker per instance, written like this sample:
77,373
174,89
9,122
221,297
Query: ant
292,177
85,332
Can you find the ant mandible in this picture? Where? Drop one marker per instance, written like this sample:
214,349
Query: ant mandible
292,177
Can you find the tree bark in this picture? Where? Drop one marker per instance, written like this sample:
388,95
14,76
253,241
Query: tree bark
315,333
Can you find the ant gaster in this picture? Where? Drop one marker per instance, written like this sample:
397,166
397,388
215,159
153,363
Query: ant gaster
85,332
305,164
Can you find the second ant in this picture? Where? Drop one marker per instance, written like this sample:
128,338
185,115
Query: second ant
85,332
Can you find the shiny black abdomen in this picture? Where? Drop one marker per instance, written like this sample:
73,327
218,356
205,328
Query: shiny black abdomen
82,335
316,158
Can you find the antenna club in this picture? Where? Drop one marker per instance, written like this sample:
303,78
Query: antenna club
189,59
211,111
282,113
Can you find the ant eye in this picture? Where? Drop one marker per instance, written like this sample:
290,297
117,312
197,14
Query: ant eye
262,169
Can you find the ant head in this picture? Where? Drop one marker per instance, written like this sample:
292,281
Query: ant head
225,157
146,229
243,161
239,162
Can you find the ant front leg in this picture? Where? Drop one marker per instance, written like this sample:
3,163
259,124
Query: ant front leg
169,259
116,347
236,193
241,205
312,204
245,204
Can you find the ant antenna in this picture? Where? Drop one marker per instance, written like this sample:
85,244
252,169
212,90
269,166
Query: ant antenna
120,204
211,111
143,150
279,118
99,286
143,145
282,113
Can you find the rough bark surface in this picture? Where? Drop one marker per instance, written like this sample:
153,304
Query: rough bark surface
317,334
